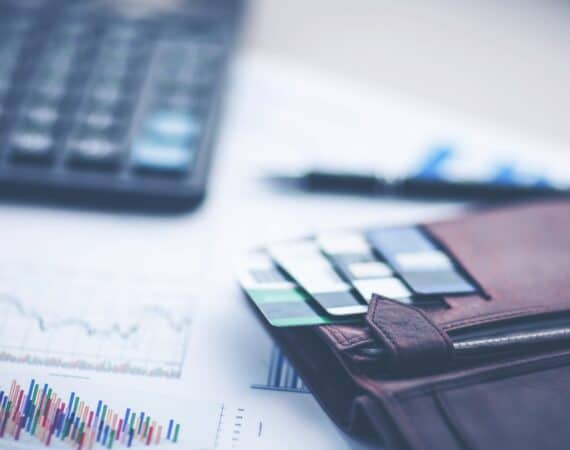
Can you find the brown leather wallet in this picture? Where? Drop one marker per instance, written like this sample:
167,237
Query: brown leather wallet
424,395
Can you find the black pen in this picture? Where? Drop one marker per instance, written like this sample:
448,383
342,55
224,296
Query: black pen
371,184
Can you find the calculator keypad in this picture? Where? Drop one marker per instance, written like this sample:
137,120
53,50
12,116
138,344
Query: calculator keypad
128,97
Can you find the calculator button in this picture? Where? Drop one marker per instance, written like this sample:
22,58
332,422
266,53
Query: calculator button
99,120
174,125
95,153
157,156
438,283
105,125
32,145
41,116
105,100
107,95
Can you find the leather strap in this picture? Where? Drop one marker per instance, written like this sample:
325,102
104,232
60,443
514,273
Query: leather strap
412,341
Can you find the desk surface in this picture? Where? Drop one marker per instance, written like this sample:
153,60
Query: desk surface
506,62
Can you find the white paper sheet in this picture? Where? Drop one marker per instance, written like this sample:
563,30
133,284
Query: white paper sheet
70,281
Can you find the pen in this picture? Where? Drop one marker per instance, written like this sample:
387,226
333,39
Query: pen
371,184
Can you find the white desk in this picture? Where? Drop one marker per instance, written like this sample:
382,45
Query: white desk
506,62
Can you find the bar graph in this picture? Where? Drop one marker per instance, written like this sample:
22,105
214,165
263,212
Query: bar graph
77,319
44,416
91,416
281,376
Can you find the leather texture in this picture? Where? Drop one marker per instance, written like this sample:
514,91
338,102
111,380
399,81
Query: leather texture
520,256
408,335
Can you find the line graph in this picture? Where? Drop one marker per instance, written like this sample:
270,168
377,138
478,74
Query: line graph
110,322
86,326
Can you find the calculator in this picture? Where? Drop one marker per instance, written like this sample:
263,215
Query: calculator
112,102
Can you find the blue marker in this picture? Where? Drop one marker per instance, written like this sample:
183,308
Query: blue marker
170,425
127,414
29,401
99,403
70,404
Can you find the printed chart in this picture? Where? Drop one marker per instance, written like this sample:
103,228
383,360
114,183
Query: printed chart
39,415
63,317
281,376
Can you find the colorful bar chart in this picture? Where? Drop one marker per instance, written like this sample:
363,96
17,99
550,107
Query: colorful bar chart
40,413
281,376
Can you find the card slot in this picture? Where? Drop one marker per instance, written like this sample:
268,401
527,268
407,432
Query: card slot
517,258
425,267
520,325
466,282
400,343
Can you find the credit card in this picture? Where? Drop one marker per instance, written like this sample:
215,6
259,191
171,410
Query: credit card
279,299
316,275
368,274
427,270
332,277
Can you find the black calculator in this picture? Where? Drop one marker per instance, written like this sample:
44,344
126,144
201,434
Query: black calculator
112,102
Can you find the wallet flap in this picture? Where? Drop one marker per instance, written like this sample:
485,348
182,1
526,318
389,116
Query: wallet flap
519,256
411,340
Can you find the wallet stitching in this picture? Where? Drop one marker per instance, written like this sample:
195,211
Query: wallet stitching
392,340
358,340
494,316
441,333
334,333
340,338
498,373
